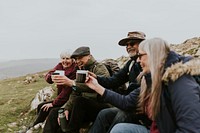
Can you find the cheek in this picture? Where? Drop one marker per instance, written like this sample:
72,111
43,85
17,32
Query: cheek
146,66
63,62
143,63
68,61
78,62
84,61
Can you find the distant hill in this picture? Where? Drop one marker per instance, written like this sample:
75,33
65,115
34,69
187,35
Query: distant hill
17,68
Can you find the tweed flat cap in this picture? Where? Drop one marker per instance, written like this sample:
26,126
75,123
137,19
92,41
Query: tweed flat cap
81,51
135,35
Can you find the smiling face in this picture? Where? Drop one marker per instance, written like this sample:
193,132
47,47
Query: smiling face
143,59
132,48
82,60
66,62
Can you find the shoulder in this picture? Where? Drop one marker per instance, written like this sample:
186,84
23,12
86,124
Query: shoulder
174,72
100,69
59,66
184,87
100,66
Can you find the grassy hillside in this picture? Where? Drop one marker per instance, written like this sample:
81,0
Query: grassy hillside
15,100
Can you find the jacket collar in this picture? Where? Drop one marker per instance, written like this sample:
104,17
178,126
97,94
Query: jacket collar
90,63
134,58
177,65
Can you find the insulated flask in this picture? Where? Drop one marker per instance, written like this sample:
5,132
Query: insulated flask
63,121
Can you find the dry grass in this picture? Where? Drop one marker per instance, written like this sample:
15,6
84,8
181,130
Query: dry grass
15,100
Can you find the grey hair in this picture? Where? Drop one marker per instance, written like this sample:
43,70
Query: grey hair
157,51
65,54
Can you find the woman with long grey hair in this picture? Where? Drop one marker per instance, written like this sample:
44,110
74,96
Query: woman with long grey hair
169,94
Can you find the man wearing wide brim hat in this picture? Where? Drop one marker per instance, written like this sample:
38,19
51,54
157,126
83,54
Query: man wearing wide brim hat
132,36
107,118
132,42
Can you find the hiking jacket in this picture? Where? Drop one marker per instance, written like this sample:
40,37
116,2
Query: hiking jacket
63,92
82,89
184,95
128,73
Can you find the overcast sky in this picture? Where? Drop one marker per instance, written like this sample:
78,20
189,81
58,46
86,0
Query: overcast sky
43,28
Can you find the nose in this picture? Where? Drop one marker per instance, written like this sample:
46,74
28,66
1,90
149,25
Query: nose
138,60
128,45
77,60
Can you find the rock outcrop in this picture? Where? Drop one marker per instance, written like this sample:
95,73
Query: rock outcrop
188,47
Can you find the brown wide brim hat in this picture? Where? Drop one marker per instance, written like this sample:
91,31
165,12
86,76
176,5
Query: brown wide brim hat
136,35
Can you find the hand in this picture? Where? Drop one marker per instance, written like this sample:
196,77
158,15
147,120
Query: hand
92,74
46,107
91,82
58,121
67,114
61,80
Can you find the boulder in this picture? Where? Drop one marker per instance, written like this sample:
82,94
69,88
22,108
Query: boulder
43,95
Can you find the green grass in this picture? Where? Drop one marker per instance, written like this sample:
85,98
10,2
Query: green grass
15,100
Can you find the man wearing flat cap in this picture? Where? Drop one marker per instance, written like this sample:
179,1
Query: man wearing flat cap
81,51
107,118
84,103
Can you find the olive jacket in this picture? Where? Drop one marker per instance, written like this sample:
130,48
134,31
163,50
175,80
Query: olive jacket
81,89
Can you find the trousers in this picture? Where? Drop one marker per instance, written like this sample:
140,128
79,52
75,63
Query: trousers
129,128
109,117
84,110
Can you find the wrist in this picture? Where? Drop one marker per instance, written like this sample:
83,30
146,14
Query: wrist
73,84
100,90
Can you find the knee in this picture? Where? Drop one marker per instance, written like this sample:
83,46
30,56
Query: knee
118,128
40,105
102,113
105,113
53,112
128,128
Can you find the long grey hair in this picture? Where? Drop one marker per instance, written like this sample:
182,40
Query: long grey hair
157,51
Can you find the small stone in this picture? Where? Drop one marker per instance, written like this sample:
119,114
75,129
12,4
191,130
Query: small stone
11,125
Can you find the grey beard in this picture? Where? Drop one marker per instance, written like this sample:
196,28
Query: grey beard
132,54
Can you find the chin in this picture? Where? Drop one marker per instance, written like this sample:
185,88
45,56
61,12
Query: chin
132,54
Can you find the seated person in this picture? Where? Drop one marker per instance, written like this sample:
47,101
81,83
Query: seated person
68,65
169,94
83,104
108,117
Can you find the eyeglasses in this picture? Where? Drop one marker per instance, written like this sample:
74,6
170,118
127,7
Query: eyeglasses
139,55
132,42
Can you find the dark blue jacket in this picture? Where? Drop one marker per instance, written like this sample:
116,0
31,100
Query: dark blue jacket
185,99
123,76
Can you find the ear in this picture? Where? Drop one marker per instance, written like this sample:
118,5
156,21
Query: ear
73,60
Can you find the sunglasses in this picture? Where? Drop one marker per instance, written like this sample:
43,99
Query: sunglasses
139,55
